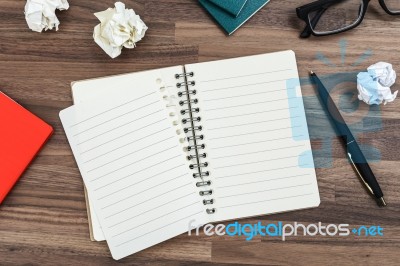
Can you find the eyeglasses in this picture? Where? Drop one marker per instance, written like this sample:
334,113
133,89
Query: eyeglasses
327,17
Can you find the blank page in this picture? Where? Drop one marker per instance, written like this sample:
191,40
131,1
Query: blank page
133,164
256,133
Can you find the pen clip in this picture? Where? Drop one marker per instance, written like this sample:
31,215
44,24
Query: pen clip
359,174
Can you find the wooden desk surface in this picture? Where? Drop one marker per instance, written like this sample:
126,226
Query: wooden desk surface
43,220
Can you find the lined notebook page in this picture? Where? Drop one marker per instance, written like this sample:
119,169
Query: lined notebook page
133,164
101,88
256,135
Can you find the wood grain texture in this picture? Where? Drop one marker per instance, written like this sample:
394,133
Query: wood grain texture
43,221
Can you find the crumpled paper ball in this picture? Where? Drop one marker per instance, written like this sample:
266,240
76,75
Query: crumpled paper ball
374,86
383,72
118,28
41,14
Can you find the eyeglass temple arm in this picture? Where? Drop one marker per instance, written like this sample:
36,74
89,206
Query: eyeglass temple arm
307,30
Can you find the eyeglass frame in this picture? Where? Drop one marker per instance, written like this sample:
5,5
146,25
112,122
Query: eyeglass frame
320,6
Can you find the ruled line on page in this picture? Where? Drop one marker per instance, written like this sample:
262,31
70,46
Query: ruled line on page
152,231
261,201
247,104
124,135
144,169
124,156
141,181
112,119
135,162
164,215
243,95
261,181
159,195
252,133
255,142
116,107
261,191
127,144
262,171
120,126
253,123
143,191
262,161
249,75
255,113
255,152
149,210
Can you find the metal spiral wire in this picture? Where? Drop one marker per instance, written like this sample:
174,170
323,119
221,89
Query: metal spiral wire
194,138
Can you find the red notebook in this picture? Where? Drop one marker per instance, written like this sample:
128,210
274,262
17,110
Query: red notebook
22,134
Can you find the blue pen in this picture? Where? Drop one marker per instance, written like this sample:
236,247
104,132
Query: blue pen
354,152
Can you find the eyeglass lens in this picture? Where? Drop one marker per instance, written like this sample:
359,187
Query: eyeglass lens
337,15
393,5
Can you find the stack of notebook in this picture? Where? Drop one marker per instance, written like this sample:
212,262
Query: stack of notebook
205,142
231,14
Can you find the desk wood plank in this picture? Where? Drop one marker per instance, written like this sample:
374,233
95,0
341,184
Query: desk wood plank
43,221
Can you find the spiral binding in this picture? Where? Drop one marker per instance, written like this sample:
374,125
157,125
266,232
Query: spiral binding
194,139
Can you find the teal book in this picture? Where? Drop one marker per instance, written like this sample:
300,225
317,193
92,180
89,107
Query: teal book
228,22
231,6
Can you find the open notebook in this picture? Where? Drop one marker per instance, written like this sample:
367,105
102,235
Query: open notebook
207,142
